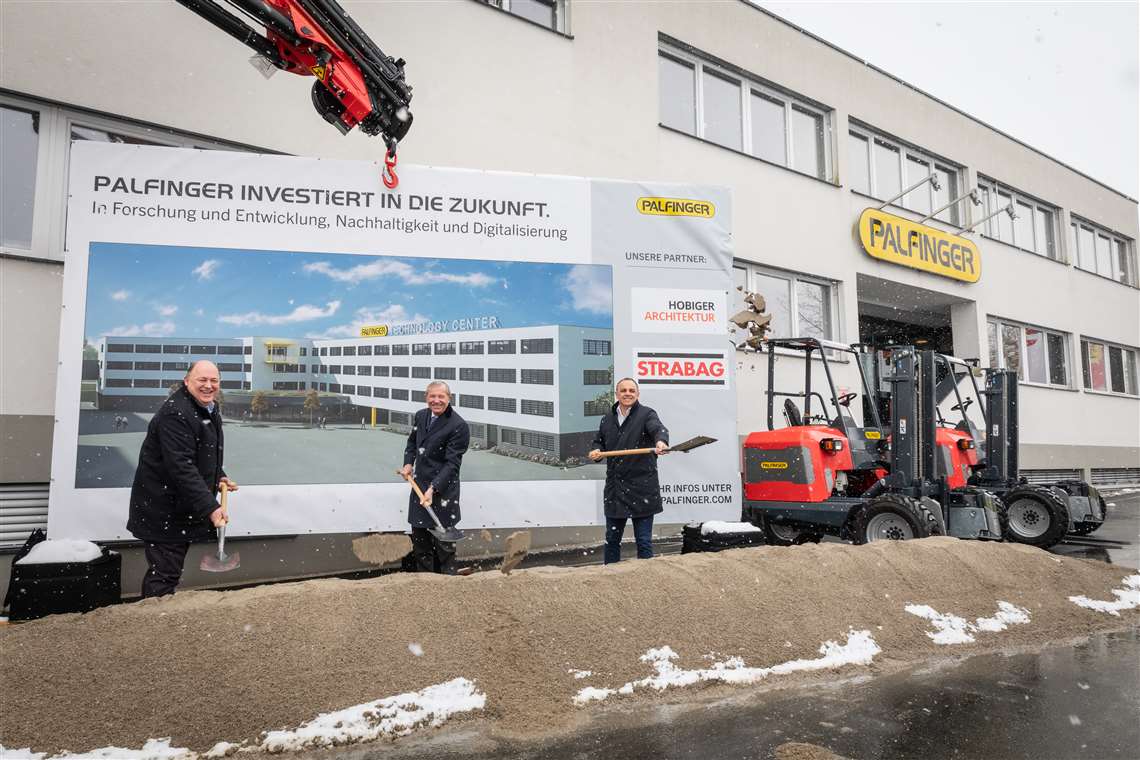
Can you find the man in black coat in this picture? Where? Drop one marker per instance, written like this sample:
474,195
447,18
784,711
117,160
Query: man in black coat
632,489
436,445
180,468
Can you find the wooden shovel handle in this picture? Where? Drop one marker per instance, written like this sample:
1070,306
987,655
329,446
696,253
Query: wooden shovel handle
412,480
624,452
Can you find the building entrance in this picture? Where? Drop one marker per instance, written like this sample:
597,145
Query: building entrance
895,313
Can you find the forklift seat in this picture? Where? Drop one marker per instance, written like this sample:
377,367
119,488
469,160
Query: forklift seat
792,413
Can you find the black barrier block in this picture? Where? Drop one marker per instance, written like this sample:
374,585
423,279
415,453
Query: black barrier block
57,587
693,541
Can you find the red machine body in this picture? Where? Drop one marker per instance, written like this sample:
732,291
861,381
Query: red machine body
791,464
959,454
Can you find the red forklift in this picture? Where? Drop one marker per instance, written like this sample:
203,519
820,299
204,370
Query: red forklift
986,456
826,474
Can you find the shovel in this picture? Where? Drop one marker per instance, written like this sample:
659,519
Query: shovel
447,535
221,562
688,445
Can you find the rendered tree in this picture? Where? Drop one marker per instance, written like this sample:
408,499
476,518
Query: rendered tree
312,404
259,403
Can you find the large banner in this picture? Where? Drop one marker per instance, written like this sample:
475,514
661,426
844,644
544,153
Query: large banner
329,302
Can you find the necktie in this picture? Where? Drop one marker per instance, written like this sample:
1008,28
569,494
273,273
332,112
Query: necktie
431,421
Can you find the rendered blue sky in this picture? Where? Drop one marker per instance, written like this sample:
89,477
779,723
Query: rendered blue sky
163,291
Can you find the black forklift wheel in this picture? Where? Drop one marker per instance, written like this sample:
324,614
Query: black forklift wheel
1035,515
893,517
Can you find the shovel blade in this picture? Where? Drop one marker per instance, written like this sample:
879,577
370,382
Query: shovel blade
447,535
693,443
213,563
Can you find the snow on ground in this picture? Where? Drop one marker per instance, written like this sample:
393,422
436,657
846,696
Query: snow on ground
62,550
859,649
1127,598
952,629
392,716
720,526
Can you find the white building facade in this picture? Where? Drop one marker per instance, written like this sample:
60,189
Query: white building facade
806,135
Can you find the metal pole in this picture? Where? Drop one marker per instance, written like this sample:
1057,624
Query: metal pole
932,179
1007,209
972,195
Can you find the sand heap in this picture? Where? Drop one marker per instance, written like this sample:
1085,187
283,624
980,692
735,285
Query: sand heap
204,667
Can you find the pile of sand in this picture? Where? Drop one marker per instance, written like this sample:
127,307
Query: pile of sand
203,667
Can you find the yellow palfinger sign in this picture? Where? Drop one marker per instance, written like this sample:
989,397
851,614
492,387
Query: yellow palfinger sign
374,331
676,207
910,244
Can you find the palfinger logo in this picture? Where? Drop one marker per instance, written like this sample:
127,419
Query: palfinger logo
774,465
676,207
374,331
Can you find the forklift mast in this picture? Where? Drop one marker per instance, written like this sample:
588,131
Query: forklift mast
913,422
1002,435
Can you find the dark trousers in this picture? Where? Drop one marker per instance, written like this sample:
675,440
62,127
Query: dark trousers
431,555
164,568
642,535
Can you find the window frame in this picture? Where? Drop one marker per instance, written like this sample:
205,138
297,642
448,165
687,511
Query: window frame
1023,351
835,325
1076,223
1105,346
747,85
907,152
560,8
988,189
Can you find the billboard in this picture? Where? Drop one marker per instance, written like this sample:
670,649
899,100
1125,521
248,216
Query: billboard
329,303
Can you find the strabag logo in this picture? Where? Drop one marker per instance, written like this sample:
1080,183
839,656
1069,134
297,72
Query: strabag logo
676,207
694,368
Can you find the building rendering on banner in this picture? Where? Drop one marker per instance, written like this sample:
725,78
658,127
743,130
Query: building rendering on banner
532,389
976,244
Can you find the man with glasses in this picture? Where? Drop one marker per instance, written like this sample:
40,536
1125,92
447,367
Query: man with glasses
174,495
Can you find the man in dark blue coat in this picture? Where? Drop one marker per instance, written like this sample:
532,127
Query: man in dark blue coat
436,445
632,489
173,498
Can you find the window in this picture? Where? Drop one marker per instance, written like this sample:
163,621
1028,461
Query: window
443,349
174,349
501,347
473,374
1102,252
883,167
400,349
231,385
470,401
148,366
380,371
140,383
349,369
801,306
422,373
361,351
19,154
499,404
1036,354
324,351
350,350
280,351
229,351
444,373
1107,367
596,408
363,390
120,365
348,389
117,382
471,347
596,347
741,112
364,369
381,350
399,394
148,348
380,393
537,408
500,375
399,371
203,349
182,366
1034,229
335,369
421,349
536,440
419,396
596,377
537,376
537,345
548,13
506,435
305,351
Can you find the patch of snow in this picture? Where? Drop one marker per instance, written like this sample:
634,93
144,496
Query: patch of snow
221,749
1074,720
720,526
859,649
62,550
1127,598
391,716
416,649
580,674
154,749
952,629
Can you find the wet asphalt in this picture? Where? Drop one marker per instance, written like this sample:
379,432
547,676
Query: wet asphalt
1069,702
